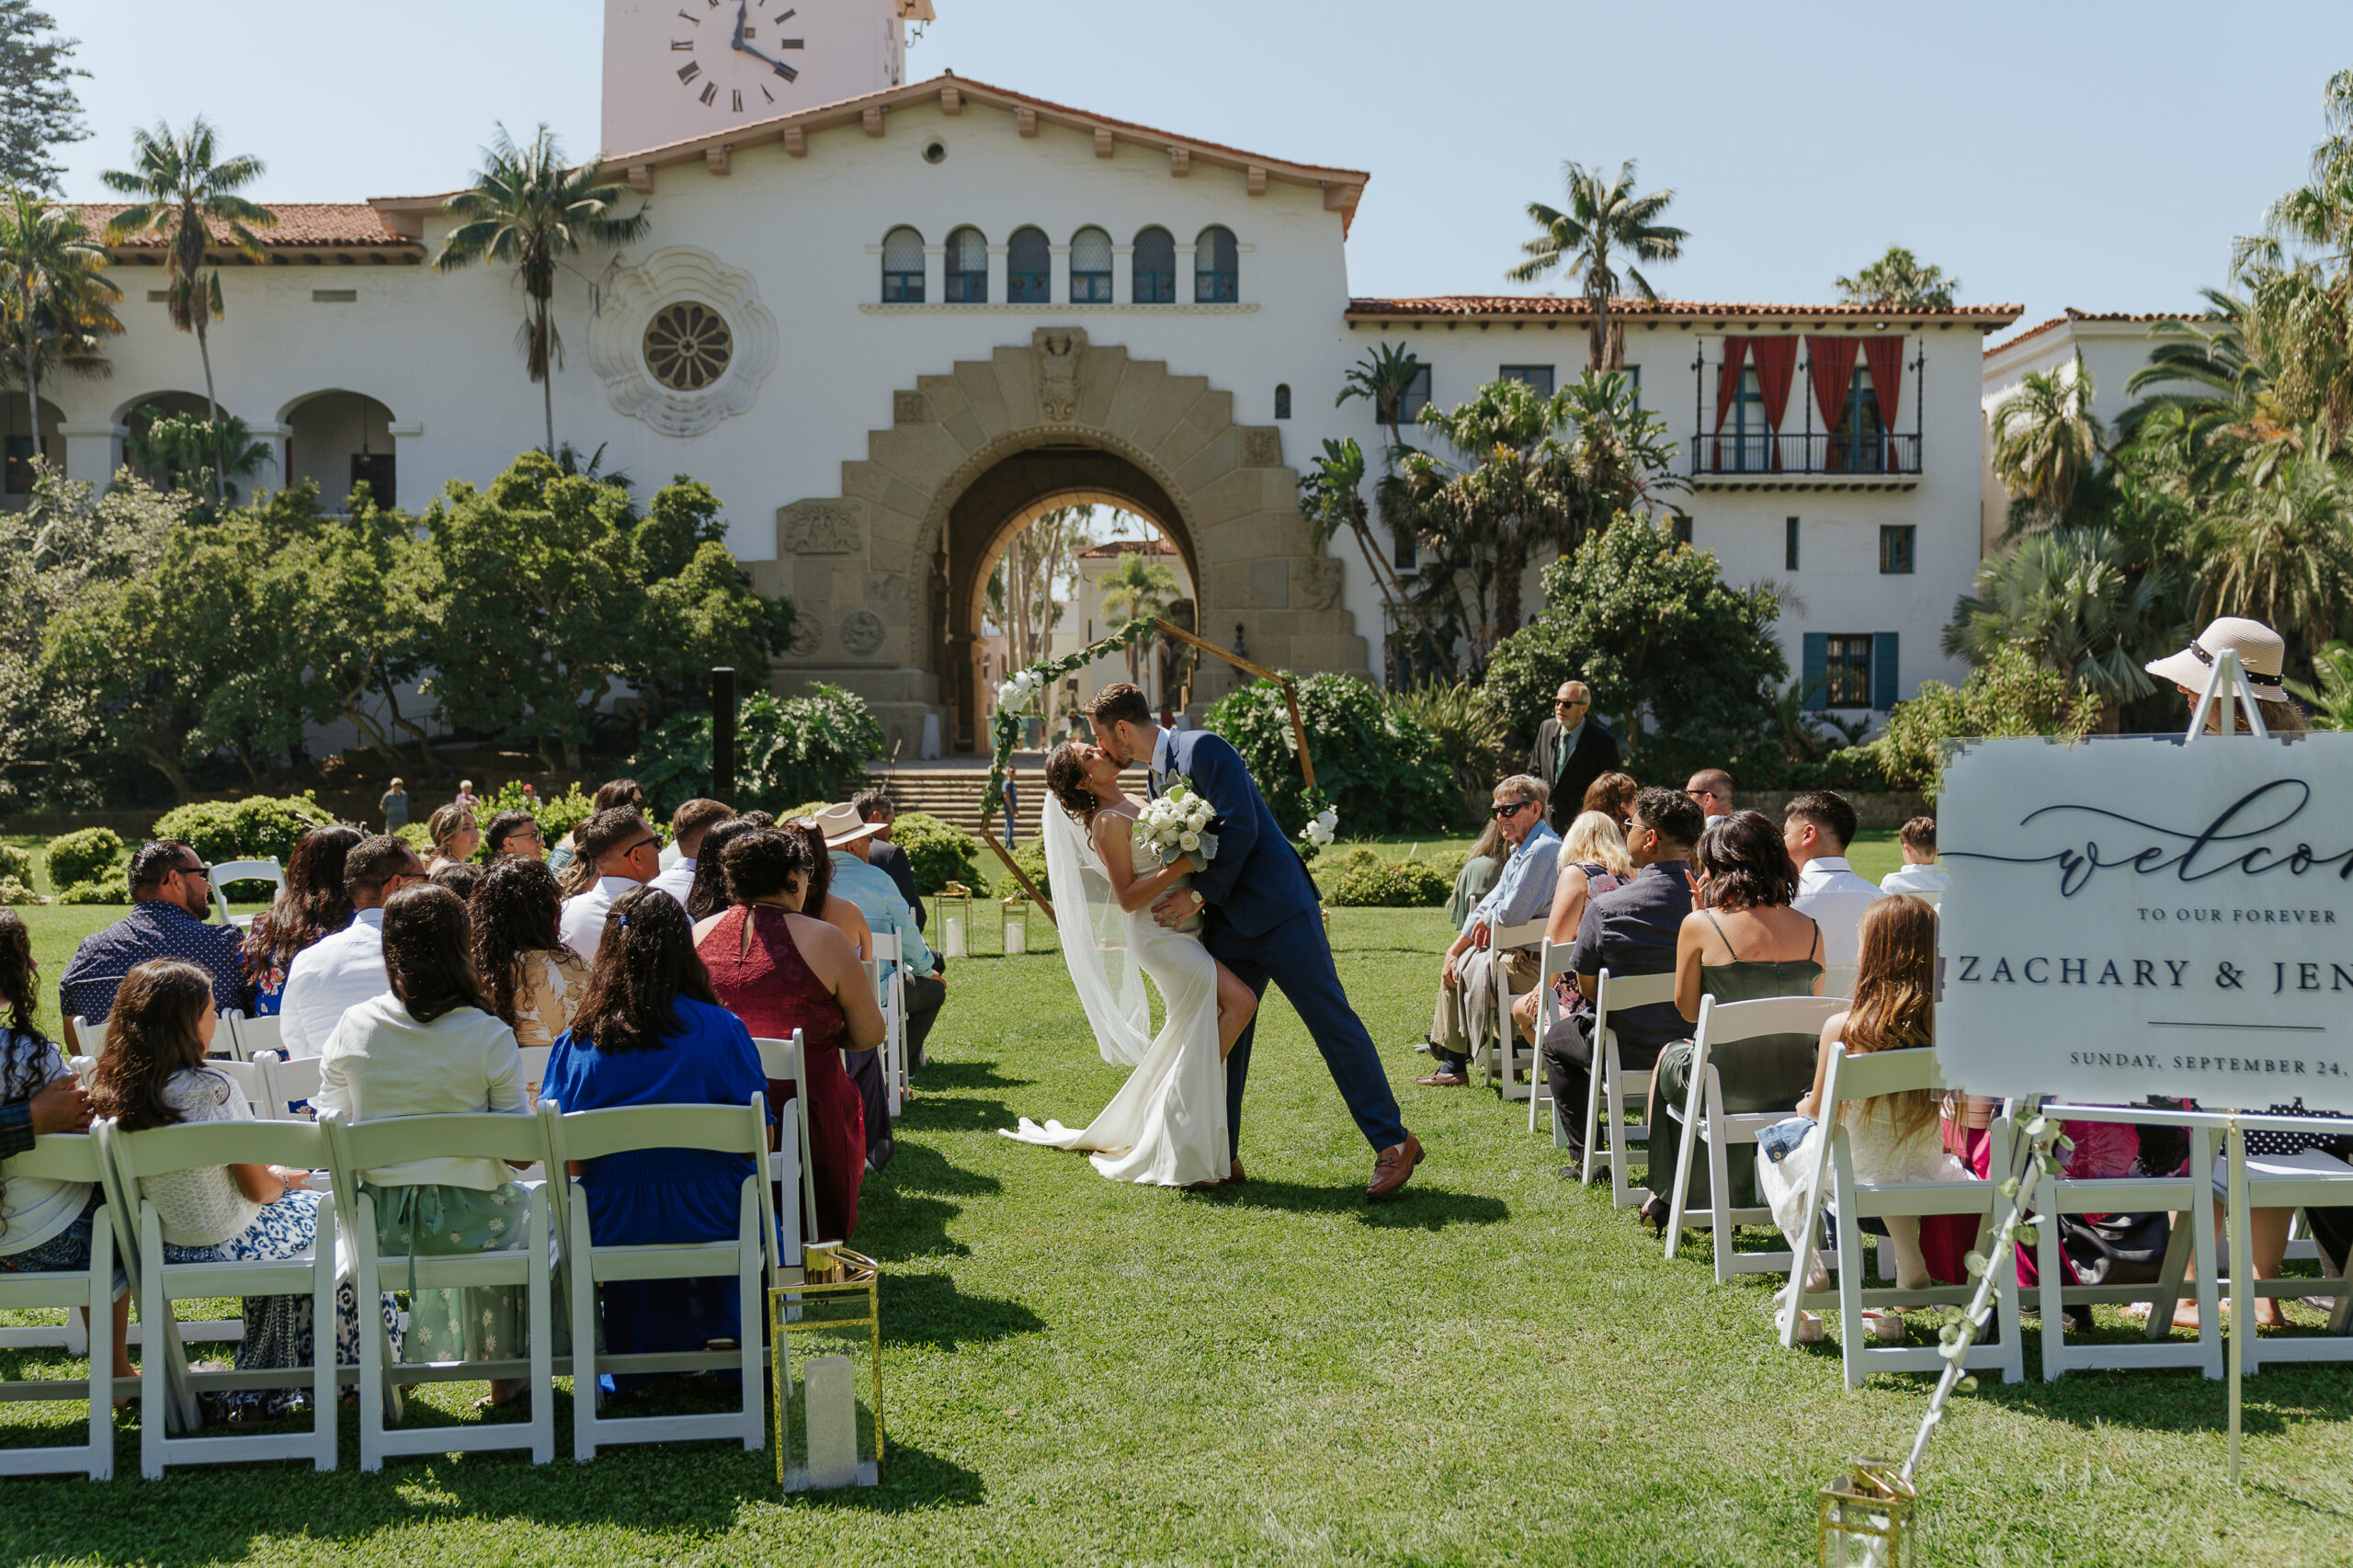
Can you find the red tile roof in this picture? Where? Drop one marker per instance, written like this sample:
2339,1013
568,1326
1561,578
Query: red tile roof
300,223
1469,305
2076,316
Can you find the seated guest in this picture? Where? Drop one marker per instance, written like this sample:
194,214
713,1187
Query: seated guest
515,833
1466,983
876,898
313,905
1477,878
1743,942
1629,930
342,971
1919,872
1612,795
455,836
876,807
1593,861
571,868
152,1074
821,899
431,1046
44,1224
460,876
1711,788
689,825
533,981
652,1032
778,970
707,894
170,895
625,853
1893,1138
1816,827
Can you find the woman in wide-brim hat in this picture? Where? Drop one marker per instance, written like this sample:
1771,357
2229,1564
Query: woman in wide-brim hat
2262,654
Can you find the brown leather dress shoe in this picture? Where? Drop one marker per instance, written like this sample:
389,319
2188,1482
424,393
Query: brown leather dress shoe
1442,1079
1236,1177
1392,1167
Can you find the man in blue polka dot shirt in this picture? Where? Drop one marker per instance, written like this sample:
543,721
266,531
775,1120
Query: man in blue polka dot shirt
170,894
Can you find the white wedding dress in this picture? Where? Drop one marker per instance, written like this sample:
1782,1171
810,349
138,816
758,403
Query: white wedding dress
1166,1126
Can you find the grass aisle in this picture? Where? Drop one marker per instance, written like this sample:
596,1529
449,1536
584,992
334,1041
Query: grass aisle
1497,1367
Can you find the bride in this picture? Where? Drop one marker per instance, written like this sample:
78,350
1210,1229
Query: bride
1166,1126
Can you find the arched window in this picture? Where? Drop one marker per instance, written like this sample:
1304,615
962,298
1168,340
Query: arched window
968,267
903,267
1029,268
1090,268
1282,400
1217,268
1156,267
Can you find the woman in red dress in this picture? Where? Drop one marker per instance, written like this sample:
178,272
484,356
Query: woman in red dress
780,971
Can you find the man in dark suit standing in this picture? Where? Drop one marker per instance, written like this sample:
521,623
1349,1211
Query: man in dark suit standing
1573,749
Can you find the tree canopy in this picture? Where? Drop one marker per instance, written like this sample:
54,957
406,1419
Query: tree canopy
39,113
1899,281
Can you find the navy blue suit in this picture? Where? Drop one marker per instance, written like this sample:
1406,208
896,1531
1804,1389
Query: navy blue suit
1264,921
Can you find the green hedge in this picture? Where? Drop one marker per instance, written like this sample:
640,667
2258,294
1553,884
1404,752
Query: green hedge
113,892
1362,879
258,827
17,864
938,852
86,856
13,890
1379,769
786,749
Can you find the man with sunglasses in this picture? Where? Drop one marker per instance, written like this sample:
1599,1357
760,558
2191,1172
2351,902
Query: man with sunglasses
627,853
1466,984
171,892
1573,749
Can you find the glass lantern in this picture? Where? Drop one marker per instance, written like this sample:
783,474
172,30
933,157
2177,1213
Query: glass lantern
826,1320
952,907
1013,930
1866,1519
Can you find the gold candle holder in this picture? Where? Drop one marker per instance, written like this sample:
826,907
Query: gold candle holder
952,907
1013,928
1867,1518
839,1297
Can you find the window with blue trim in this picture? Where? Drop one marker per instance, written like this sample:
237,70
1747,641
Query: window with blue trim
1748,446
1536,379
1217,268
1848,671
1090,268
1156,267
1860,444
1029,268
903,267
968,267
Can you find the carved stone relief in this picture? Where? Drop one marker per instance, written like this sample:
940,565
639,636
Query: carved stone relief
808,632
861,632
1262,448
821,527
909,408
633,298
1319,583
1057,350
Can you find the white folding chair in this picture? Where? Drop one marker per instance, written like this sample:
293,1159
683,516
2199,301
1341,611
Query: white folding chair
1500,1055
297,1079
2182,1196
1723,1026
253,1080
357,1148
257,1035
749,1256
59,1157
168,1403
2279,1181
1551,962
1853,1078
890,991
789,1164
242,871
1610,1088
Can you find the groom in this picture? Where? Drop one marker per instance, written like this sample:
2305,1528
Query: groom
1262,922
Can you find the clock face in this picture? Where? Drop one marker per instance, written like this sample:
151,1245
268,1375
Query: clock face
737,57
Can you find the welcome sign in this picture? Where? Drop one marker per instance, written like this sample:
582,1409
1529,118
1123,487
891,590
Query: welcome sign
2135,915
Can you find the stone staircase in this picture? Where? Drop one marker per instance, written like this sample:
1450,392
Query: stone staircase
951,791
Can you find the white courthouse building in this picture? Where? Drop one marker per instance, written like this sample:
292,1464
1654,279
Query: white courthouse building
889,322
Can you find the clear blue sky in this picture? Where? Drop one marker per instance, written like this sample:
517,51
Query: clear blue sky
2051,154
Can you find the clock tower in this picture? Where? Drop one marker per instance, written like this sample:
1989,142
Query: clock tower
679,69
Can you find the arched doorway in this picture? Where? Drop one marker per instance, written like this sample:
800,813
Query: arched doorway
336,441
20,444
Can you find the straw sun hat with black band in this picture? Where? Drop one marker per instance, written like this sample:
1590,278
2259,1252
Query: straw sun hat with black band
2261,652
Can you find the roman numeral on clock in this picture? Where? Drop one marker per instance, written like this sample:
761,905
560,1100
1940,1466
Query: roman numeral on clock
682,46
689,15
739,101
689,72
709,91
765,94
787,72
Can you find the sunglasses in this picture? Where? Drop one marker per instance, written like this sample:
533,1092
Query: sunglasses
643,844
199,869
1632,825
1564,702
1513,810
1701,794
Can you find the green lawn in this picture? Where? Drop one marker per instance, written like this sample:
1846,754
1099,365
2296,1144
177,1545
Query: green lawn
1497,1367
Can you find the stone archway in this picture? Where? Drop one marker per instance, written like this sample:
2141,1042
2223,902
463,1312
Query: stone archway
885,574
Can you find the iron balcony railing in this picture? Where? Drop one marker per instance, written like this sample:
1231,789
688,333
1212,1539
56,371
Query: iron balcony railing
1715,455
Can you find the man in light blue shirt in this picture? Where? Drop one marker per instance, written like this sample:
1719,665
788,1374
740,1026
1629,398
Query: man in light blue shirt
1466,993
847,836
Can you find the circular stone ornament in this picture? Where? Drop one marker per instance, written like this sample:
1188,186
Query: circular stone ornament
688,346
681,341
861,632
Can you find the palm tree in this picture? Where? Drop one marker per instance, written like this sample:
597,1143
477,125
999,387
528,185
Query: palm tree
2077,597
54,293
1514,490
2046,438
1136,589
528,211
2283,554
1620,454
1605,218
182,190
2299,278
1899,281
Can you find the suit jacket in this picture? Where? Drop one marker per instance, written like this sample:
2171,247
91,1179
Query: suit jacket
1631,930
891,861
1257,879
1569,776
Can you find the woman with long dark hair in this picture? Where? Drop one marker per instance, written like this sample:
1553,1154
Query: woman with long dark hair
533,981
313,904
651,1031
707,894
152,1074
779,970
432,1047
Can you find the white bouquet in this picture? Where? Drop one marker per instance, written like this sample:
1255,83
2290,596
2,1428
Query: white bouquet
1322,829
1176,824
1017,693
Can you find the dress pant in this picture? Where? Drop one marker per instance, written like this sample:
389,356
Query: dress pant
1769,1073
924,999
1463,1022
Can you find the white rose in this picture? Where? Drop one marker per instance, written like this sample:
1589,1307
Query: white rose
1329,818
1189,841
1201,815
1009,697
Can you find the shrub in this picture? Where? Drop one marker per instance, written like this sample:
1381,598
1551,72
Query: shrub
556,814
15,891
258,827
17,863
2011,693
786,749
83,856
937,852
113,892
1469,732
415,835
1380,769
1031,856
1368,883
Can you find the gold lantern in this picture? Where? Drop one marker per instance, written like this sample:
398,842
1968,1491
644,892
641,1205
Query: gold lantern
1867,1518
951,907
824,1317
1013,930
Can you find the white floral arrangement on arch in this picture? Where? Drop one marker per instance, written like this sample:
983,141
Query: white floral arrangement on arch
1322,828
1016,694
1175,825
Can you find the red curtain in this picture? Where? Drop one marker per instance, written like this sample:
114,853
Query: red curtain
1728,377
1885,357
1832,362
1776,364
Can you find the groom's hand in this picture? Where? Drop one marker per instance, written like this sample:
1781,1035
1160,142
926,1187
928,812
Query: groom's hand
1176,908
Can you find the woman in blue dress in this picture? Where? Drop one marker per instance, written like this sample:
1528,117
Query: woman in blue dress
651,1032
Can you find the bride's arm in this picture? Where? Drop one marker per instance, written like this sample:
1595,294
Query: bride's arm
1116,843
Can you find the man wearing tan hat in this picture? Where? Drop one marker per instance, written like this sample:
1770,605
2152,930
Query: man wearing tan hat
848,836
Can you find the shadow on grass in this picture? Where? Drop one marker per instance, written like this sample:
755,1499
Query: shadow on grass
918,1167
929,1310
1420,1208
